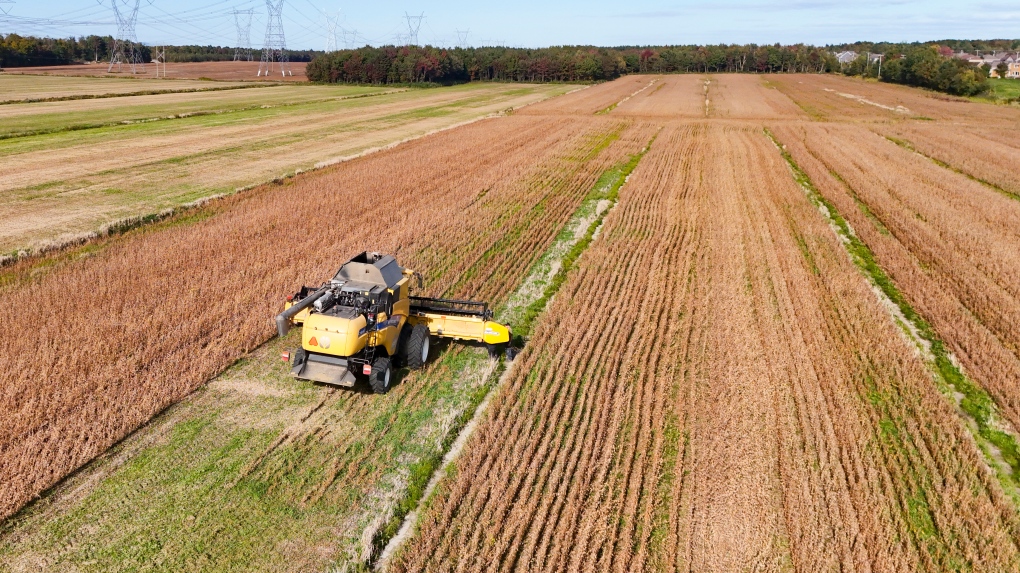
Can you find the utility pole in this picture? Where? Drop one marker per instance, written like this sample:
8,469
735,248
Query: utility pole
6,6
462,38
242,19
331,25
274,50
125,43
413,25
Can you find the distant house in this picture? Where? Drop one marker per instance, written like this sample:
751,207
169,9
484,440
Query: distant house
992,60
847,57
1011,60
972,58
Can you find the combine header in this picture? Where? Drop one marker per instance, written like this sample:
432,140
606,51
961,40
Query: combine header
364,319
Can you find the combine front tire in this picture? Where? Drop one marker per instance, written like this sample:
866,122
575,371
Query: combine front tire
382,373
416,351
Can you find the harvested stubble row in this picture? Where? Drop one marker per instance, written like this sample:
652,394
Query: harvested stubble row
949,243
151,316
716,388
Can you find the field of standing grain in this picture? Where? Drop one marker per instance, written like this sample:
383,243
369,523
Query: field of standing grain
770,325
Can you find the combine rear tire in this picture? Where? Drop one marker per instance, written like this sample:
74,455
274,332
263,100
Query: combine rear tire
381,375
416,351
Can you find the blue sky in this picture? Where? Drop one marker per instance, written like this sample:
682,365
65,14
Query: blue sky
535,23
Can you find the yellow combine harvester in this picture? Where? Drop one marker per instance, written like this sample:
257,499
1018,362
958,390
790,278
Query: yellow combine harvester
365,318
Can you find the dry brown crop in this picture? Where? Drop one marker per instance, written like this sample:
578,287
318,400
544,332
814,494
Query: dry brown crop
841,98
738,96
949,243
670,96
149,317
593,99
716,389
987,152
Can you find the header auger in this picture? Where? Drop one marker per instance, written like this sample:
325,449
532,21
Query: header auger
364,320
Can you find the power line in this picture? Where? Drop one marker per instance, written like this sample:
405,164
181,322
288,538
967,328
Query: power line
6,6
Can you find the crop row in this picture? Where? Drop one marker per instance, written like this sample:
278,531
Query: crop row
948,243
715,386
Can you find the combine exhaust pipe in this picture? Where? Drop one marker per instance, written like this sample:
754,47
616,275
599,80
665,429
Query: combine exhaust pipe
283,319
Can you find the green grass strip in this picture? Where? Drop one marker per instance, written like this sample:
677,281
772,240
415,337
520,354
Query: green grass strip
421,472
976,402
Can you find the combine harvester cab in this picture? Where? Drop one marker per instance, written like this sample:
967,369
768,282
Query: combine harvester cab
364,320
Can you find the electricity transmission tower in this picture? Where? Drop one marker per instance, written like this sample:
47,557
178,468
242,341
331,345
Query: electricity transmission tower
158,58
413,25
350,38
242,18
331,25
274,49
462,38
125,43
6,6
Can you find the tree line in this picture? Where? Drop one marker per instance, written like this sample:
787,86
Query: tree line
417,64
22,51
